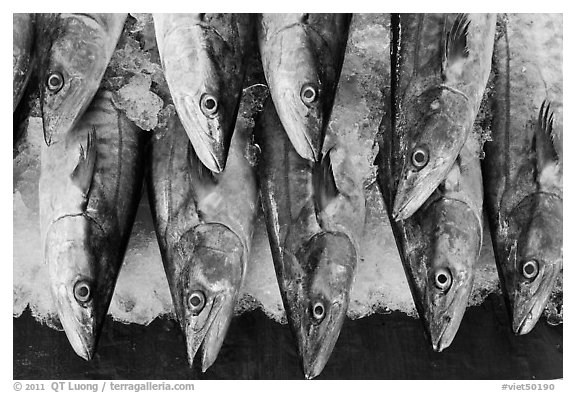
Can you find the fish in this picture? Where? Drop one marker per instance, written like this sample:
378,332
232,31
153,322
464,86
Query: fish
314,215
204,223
440,243
203,57
74,51
89,190
523,168
22,54
442,69
302,56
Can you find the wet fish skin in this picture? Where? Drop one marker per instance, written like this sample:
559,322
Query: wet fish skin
74,51
303,54
204,224
22,58
203,56
442,238
523,165
441,90
89,191
440,243
313,240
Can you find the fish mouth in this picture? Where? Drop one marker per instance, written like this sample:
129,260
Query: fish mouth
528,306
303,129
415,190
207,288
329,257
208,335
443,329
212,151
317,343
80,330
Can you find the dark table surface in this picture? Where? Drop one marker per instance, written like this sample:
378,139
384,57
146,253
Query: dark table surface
391,346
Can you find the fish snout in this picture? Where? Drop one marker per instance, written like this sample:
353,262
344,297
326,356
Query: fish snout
535,282
78,320
208,288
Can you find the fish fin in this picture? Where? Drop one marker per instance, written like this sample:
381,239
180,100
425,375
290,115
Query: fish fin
452,181
200,172
547,159
323,182
84,171
455,47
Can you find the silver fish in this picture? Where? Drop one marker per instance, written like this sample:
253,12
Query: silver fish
314,221
90,185
203,56
74,51
441,71
523,165
204,224
302,57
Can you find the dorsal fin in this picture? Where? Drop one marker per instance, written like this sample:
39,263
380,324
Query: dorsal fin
455,47
547,159
200,173
323,182
84,171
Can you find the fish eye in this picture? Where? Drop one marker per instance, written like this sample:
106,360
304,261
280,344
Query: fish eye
55,81
442,279
196,301
308,94
420,157
318,311
82,292
530,269
208,105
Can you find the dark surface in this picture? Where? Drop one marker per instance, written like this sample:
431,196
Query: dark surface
389,346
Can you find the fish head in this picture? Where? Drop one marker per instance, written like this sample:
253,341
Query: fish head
456,237
536,260
207,288
81,298
69,76
439,120
298,91
321,297
206,97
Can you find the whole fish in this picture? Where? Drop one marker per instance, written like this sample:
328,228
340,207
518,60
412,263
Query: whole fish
89,190
204,224
74,51
22,44
440,243
523,165
441,70
314,221
302,57
203,56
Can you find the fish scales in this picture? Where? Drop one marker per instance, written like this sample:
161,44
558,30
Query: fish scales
89,190
523,165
